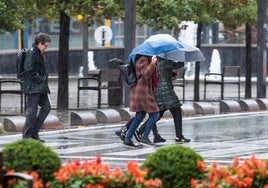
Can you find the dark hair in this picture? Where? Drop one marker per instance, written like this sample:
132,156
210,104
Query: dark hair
42,37
139,55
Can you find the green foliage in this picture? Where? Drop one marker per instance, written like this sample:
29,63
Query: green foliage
234,13
31,155
169,13
175,165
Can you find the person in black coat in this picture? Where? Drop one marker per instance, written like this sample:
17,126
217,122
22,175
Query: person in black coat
35,78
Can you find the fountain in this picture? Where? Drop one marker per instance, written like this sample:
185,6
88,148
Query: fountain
188,36
215,63
91,64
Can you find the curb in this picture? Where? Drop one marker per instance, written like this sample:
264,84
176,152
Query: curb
86,118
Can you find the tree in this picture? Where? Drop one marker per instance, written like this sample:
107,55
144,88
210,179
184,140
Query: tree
169,14
10,16
14,13
234,14
90,11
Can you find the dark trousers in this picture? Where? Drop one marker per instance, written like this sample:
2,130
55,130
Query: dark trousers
35,120
177,117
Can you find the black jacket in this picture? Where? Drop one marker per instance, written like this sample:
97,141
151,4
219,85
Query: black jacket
35,73
164,94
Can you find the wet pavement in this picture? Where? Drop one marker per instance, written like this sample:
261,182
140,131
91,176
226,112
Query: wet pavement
216,138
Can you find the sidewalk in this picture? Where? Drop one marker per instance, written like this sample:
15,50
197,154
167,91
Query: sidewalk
88,99
216,138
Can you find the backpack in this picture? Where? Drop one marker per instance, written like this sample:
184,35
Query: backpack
20,62
129,73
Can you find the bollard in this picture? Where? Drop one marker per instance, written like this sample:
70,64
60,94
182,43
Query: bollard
108,116
83,119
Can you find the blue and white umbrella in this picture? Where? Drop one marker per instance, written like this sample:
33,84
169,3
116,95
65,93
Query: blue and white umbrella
166,46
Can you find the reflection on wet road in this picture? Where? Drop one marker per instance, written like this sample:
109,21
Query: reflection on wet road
215,138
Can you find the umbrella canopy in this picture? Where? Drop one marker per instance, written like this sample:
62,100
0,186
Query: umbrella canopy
166,46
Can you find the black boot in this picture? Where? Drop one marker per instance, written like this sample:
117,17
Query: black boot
157,137
182,139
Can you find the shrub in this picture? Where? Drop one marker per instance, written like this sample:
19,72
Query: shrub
175,165
31,155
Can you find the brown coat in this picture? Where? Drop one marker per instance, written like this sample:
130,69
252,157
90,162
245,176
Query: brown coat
141,95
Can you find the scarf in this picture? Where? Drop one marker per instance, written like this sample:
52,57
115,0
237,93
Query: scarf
155,78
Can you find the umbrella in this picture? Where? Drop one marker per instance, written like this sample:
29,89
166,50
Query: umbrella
166,46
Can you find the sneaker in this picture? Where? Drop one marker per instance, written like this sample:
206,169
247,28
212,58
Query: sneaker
158,139
130,144
182,139
146,141
123,132
118,132
137,135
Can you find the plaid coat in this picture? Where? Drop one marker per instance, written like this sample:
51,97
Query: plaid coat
141,95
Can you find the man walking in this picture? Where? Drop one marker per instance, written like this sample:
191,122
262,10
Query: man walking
36,87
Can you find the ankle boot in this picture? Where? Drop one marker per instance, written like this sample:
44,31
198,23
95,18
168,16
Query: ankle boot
158,138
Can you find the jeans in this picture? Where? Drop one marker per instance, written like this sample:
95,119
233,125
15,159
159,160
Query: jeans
35,121
150,123
153,117
134,124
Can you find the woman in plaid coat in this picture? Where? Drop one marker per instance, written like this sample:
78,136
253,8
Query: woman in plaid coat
142,100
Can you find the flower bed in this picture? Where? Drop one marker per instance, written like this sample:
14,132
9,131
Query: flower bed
250,173
95,174
168,167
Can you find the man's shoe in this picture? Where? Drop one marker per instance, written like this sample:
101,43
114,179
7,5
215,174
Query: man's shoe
158,139
130,144
146,141
38,138
137,135
118,132
182,139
